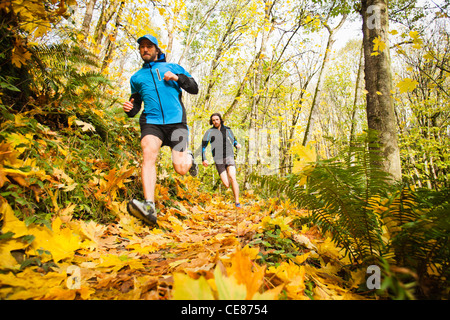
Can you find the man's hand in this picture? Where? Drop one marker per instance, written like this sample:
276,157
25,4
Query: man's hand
170,76
205,163
238,146
127,106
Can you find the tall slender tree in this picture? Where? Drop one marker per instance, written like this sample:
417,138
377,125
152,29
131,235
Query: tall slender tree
85,27
378,80
317,93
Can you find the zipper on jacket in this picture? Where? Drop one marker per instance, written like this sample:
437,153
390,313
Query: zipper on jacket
157,93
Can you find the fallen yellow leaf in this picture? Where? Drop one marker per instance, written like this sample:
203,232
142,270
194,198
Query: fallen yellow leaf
186,288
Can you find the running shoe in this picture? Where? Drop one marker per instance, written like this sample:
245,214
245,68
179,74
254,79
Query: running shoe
143,210
194,168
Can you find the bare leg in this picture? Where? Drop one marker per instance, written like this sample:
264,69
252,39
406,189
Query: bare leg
224,178
150,148
182,161
231,170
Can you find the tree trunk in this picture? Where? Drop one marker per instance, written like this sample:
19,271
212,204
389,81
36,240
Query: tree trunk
198,21
222,46
106,15
356,97
316,99
378,77
253,149
110,43
241,89
87,19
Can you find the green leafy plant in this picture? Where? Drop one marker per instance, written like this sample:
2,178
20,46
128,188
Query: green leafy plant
421,239
374,219
341,195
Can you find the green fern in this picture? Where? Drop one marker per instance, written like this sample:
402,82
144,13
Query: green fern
373,219
58,70
420,239
341,195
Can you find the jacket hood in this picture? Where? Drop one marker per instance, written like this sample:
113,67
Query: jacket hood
161,58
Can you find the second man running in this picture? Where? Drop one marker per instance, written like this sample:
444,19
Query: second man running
222,142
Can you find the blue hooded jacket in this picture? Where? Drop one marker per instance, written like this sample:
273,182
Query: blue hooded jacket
162,99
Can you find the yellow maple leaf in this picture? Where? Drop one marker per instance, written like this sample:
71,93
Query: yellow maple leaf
20,56
116,262
61,243
42,28
305,155
228,288
10,222
176,224
7,261
282,222
378,45
302,258
65,243
329,248
429,55
294,278
246,272
30,284
60,293
407,85
136,247
17,139
417,41
186,288
251,253
357,277
271,294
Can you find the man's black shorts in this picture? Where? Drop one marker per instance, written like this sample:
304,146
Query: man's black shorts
175,136
223,164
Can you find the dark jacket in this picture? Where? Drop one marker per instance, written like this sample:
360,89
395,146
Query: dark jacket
222,143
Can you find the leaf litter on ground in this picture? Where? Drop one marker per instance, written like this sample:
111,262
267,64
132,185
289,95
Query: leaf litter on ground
210,251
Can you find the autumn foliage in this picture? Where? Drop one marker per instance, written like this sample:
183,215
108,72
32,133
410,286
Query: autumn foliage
197,252
313,220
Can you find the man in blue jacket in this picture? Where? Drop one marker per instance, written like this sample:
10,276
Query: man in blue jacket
222,142
158,85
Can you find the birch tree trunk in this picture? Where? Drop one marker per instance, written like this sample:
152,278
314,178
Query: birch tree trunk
87,19
111,40
356,97
227,38
253,123
317,93
378,78
106,14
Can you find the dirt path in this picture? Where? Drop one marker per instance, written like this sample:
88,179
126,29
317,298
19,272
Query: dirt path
197,251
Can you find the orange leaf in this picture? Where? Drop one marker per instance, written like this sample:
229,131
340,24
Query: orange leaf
246,272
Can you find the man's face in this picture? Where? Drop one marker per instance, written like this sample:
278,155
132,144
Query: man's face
147,49
216,121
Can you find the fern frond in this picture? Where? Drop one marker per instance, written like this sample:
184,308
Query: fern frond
421,239
340,195
64,53
372,218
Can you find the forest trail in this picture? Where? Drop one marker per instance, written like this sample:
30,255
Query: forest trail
200,237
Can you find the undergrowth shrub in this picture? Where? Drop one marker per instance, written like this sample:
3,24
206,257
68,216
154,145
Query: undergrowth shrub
374,220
